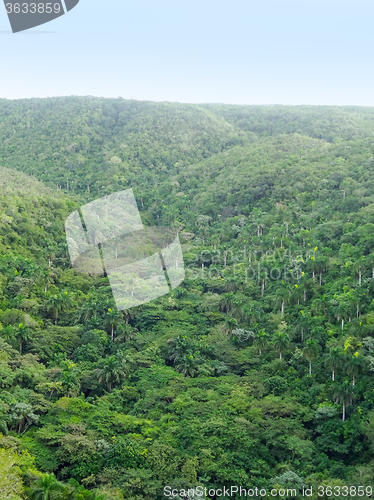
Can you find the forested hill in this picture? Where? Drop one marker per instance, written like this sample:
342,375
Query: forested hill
256,371
88,144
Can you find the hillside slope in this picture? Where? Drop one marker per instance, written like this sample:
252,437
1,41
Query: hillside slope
256,371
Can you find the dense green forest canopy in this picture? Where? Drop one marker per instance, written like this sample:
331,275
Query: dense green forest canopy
256,371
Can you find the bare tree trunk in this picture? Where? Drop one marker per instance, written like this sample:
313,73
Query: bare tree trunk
343,411
333,375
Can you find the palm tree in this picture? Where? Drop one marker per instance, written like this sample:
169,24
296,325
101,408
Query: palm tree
282,298
133,284
319,305
112,319
354,366
320,266
189,364
297,295
23,334
229,324
311,351
261,341
355,301
304,324
57,303
281,341
47,276
360,269
342,311
89,310
227,302
69,377
114,369
334,360
344,394
46,488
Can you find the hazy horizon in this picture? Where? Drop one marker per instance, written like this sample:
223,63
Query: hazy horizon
244,52
192,103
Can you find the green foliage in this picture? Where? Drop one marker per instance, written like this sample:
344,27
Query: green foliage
257,370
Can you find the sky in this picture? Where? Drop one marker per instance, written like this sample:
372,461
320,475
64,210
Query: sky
234,52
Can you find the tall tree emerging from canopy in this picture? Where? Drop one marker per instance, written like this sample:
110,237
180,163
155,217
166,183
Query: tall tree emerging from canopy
344,394
334,360
281,340
311,351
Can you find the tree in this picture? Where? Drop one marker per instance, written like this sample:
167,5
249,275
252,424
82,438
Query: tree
311,351
261,341
344,394
23,334
191,364
112,319
58,303
22,417
297,295
281,341
46,487
133,284
342,310
304,324
114,369
69,378
282,298
354,365
334,360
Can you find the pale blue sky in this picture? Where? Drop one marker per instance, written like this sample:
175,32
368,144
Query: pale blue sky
243,52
